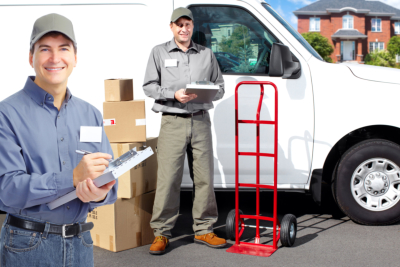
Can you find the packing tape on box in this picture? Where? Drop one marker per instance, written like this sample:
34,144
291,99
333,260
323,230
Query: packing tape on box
137,206
133,189
139,238
111,243
120,150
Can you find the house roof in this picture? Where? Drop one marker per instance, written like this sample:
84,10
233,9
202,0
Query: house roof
348,33
371,8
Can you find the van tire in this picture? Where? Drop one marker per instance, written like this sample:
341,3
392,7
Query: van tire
366,151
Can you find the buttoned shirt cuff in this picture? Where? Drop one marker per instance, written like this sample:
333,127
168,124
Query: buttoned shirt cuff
94,204
64,182
169,94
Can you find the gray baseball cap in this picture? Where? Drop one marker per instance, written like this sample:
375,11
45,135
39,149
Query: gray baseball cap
181,12
52,23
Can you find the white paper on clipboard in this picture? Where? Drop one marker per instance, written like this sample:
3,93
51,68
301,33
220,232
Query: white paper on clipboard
116,168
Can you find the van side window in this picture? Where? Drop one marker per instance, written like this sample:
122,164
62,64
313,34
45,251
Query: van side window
239,41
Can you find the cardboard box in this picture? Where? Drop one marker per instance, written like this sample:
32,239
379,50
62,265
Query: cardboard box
143,177
124,224
118,89
125,122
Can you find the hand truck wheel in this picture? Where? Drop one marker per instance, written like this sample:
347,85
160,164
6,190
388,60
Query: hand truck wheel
288,230
230,225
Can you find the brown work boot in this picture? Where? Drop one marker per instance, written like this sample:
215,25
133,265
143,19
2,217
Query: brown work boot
211,240
159,245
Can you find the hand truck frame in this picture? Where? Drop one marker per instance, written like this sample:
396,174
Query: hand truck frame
235,220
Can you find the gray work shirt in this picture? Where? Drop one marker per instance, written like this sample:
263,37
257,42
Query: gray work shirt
198,63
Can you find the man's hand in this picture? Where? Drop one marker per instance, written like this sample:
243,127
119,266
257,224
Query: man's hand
182,97
87,191
91,166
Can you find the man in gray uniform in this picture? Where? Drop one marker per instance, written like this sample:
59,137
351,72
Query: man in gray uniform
185,128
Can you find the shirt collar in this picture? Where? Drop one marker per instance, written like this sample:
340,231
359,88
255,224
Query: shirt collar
193,46
172,46
68,95
38,94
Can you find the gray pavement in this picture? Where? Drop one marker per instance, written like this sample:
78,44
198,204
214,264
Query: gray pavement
323,239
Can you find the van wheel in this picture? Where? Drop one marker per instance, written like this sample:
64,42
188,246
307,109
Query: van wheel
367,183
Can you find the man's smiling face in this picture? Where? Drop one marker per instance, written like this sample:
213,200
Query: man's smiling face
182,30
53,60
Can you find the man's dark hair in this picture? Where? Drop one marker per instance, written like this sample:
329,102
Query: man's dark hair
54,34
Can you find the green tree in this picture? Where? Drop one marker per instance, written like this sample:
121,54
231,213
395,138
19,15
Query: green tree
381,58
320,44
239,38
394,46
239,45
245,53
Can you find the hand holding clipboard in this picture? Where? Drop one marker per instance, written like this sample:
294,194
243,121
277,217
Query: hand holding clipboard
205,91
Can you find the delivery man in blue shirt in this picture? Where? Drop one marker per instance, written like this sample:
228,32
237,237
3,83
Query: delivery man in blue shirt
40,128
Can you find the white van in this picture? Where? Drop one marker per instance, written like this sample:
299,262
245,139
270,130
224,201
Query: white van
336,121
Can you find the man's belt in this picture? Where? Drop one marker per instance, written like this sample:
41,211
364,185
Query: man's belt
186,115
65,230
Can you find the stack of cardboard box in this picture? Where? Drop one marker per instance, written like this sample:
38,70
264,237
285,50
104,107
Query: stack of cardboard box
126,223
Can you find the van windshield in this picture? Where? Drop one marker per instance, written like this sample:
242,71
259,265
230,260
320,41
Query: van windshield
295,33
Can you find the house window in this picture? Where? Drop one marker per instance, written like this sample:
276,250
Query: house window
229,32
397,27
376,25
376,46
348,22
315,24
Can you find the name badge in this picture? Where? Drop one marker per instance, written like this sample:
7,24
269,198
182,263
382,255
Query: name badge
171,63
91,134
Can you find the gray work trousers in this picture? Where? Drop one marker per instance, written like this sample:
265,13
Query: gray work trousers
179,136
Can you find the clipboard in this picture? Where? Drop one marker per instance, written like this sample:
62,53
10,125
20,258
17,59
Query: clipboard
205,92
115,169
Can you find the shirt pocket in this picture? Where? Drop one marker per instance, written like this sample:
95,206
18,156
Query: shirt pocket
21,240
170,74
87,146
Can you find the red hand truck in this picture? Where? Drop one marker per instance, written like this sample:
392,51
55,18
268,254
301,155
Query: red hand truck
235,224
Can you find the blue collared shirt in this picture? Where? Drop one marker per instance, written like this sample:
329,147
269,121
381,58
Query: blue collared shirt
37,154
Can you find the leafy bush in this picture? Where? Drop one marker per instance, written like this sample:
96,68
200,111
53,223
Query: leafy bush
320,44
381,58
394,46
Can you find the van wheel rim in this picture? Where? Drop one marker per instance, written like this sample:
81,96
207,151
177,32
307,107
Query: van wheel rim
375,184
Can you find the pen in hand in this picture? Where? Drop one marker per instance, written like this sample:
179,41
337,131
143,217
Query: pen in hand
84,152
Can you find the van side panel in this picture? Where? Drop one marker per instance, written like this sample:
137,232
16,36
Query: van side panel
344,103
